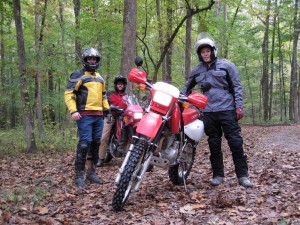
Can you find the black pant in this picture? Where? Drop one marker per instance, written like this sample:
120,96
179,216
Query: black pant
216,123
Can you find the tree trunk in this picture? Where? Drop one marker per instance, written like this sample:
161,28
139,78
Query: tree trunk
294,115
272,68
161,38
265,73
128,38
28,120
188,44
282,92
170,49
3,88
77,27
250,92
38,49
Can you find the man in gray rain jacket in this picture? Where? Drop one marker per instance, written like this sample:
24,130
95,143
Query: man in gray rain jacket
223,110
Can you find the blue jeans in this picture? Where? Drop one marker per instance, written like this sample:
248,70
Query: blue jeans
90,128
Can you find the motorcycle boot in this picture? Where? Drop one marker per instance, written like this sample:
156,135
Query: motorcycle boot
92,160
100,163
245,182
81,152
216,181
91,173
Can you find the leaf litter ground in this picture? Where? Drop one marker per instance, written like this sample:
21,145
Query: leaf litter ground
39,189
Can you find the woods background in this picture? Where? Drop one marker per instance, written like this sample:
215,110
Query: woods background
41,43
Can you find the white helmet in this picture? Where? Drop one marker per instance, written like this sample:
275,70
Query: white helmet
194,130
205,40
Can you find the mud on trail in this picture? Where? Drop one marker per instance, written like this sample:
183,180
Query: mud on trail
39,189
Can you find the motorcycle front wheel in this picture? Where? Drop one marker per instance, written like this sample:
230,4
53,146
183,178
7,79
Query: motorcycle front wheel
128,178
179,172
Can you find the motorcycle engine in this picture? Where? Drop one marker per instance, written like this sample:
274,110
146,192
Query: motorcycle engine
170,148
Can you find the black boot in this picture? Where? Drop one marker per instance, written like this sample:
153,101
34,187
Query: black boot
93,157
79,180
81,152
91,174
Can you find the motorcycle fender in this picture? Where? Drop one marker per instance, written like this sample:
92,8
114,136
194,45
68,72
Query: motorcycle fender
149,124
174,122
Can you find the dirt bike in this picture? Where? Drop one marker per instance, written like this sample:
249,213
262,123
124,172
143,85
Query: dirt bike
129,118
166,136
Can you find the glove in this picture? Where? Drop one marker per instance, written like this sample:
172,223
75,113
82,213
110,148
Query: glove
239,113
110,118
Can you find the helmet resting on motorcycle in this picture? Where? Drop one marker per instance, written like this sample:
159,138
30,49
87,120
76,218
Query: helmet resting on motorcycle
120,78
91,53
205,40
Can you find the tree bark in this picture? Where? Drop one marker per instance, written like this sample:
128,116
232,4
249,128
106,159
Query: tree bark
128,38
265,74
188,44
294,107
170,49
3,91
272,68
77,28
39,33
161,38
28,120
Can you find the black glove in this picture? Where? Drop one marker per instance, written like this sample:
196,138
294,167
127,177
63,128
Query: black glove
110,118
205,86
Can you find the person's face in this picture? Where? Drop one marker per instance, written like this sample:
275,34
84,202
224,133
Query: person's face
206,53
120,86
91,60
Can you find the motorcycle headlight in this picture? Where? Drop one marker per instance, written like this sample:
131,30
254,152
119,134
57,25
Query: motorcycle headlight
137,116
162,98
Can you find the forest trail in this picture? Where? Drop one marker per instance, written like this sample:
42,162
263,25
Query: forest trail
39,189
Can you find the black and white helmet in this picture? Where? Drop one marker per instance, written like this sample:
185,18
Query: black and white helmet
91,52
205,40
120,78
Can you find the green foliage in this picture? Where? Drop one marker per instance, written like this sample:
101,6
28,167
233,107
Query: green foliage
57,138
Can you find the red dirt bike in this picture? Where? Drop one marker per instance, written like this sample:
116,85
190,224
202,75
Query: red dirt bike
130,117
166,136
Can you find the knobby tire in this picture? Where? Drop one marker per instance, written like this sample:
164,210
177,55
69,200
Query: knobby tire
119,198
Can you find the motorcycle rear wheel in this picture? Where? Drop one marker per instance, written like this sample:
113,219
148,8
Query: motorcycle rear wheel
112,148
128,178
179,173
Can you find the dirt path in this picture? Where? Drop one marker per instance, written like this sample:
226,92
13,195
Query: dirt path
39,189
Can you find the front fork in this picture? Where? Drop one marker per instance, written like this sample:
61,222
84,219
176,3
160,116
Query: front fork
140,173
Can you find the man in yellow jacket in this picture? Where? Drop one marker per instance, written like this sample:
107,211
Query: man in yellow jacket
85,97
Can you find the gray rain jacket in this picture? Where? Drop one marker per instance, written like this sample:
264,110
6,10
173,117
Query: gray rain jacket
226,91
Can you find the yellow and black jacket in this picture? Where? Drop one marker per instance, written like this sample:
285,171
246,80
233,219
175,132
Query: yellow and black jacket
86,92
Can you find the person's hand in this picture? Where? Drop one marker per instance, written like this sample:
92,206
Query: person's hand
239,113
76,116
110,118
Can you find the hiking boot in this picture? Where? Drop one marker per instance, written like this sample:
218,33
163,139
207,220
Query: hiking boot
245,182
100,163
79,181
216,181
91,176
